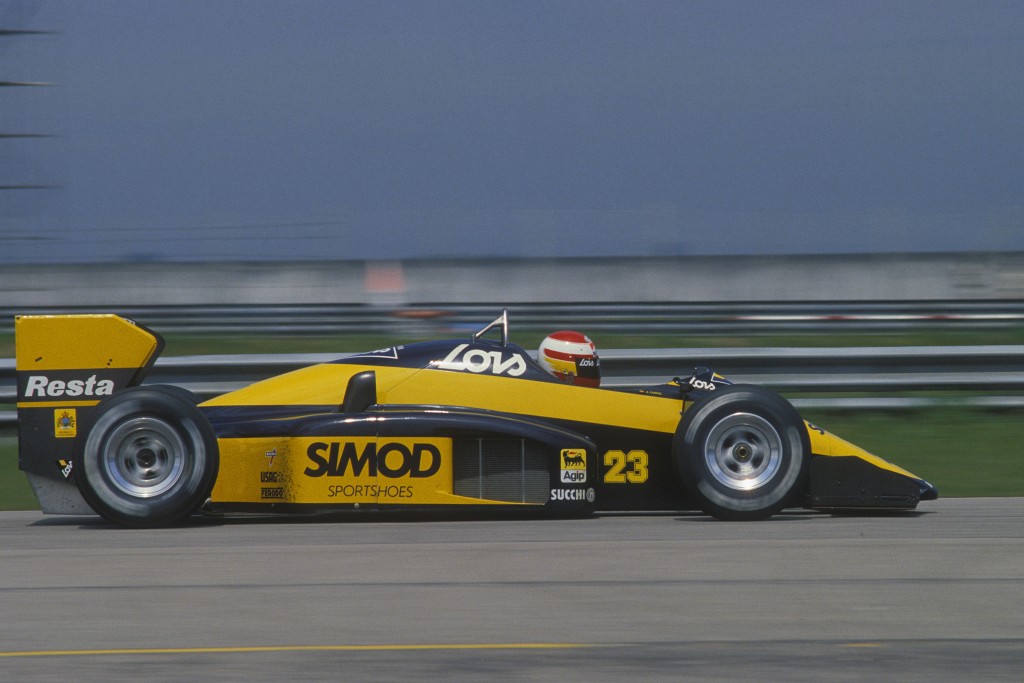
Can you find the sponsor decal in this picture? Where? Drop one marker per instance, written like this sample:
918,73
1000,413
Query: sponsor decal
271,454
391,459
704,379
574,466
65,423
573,494
390,352
41,386
369,491
702,384
344,469
626,468
481,361
65,468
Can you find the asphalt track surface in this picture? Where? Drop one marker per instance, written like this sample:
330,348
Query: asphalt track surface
936,595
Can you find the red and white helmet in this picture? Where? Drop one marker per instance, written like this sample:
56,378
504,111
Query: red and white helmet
571,357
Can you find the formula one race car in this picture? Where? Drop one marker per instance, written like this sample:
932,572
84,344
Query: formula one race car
471,424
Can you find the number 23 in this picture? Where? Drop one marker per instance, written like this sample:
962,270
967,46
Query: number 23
625,468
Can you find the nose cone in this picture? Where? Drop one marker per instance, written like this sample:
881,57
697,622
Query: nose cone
852,477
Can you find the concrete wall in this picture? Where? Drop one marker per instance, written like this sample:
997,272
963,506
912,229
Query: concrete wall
790,278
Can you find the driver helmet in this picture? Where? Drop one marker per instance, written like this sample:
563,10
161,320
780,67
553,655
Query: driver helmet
570,357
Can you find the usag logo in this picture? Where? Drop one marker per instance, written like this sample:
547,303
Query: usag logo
65,423
574,466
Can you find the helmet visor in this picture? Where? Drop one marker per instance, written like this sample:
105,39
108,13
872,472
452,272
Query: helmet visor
588,368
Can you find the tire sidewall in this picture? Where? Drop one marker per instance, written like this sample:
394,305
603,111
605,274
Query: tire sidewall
199,460
714,497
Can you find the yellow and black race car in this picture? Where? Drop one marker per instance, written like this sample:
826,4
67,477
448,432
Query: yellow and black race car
473,424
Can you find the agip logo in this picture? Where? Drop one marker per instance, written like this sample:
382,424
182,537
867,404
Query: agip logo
574,466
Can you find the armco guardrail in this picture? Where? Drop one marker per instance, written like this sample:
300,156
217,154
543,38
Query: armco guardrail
991,374
637,318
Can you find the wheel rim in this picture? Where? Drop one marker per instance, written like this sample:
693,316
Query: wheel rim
743,451
144,457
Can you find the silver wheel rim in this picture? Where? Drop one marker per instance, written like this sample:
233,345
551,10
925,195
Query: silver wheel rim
144,457
743,451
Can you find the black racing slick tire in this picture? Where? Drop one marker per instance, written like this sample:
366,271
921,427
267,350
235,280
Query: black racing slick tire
742,452
149,458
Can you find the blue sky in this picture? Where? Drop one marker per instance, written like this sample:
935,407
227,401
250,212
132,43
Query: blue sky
188,130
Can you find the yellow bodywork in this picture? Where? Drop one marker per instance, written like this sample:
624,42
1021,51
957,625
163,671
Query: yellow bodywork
828,444
66,342
282,469
245,461
325,384
47,343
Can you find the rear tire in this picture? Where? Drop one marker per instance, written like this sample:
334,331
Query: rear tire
150,457
743,452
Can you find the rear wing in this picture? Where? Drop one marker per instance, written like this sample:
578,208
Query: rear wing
67,364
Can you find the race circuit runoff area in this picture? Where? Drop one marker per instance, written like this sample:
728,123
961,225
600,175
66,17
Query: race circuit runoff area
928,595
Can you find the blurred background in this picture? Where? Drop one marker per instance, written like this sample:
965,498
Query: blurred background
310,176
252,130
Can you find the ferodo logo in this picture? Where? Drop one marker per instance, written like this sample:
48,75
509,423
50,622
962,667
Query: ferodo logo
392,459
481,361
41,386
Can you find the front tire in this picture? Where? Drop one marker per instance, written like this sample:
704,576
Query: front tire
150,458
743,452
